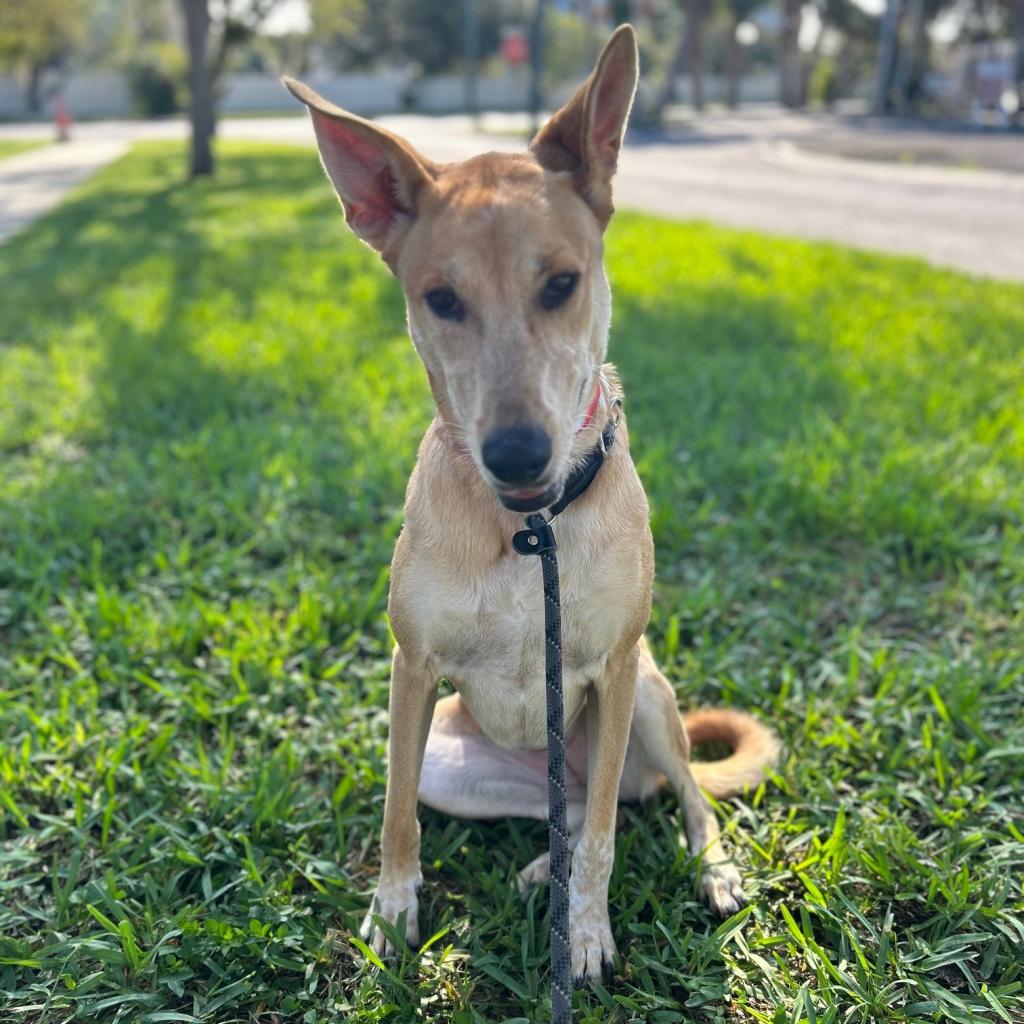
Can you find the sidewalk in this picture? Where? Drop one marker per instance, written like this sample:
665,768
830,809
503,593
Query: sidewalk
32,183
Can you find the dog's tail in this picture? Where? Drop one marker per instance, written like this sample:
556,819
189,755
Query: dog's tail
755,748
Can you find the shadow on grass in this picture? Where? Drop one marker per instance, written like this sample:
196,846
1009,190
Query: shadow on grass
170,438
204,310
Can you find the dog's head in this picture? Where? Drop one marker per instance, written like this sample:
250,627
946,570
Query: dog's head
500,261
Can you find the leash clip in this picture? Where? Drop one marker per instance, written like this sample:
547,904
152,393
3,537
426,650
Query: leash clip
535,540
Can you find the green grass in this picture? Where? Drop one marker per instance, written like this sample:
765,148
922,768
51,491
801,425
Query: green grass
210,410
12,147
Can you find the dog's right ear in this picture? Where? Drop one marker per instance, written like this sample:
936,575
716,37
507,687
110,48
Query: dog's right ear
379,177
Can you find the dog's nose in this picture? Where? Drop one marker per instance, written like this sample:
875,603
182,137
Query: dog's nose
517,455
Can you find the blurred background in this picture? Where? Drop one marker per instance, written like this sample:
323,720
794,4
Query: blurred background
834,119
957,59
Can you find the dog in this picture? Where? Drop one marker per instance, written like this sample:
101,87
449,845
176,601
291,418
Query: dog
500,260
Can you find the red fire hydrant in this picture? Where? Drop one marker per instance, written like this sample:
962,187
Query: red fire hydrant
61,119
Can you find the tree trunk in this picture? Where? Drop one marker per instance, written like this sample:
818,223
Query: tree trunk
470,54
537,64
695,55
790,77
197,32
916,63
1019,69
33,97
733,66
667,94
888,41
689,56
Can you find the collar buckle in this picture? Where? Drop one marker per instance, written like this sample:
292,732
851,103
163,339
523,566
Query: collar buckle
536,539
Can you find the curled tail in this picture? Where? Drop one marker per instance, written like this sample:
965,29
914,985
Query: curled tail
754,749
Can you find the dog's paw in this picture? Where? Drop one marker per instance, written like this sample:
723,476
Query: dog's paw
722,889
537,872
391,900
592,947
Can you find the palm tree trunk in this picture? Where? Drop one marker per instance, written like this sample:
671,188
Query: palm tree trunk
695,56
537,64
667,93
1019,69
470,55
790,85
733,66
916,63
668,89
888,41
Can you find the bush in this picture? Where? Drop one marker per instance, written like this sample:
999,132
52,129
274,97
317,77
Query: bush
156,79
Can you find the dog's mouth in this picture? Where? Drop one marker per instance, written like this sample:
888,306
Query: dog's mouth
530,499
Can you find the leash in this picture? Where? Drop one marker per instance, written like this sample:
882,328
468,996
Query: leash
539,539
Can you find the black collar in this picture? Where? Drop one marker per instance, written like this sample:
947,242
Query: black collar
539,537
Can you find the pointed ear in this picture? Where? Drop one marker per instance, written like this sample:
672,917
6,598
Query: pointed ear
379,177
585,135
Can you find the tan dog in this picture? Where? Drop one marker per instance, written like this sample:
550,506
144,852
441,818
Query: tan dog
500,258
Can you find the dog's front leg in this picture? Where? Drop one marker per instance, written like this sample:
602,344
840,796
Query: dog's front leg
411,707
609,711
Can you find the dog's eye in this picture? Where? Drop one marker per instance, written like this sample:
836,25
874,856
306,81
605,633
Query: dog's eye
558,289
444,303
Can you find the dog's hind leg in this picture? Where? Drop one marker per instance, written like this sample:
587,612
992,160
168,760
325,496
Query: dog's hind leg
467,775
659,741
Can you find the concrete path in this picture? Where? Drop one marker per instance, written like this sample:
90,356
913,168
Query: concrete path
756,169
33,182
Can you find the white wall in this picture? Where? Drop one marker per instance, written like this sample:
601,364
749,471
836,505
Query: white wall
762,87
448,92
362,94
12,98
384,92
97,92
105,93
87,93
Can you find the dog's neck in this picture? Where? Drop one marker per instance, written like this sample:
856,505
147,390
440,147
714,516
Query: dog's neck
456,513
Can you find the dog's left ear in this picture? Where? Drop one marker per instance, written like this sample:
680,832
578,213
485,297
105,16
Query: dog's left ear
584,137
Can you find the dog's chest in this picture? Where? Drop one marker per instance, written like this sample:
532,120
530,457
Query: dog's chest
486,635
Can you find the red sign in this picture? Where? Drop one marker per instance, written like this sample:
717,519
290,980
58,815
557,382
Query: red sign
514,47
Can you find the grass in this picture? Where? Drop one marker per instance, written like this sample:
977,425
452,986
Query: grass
12,147
210,413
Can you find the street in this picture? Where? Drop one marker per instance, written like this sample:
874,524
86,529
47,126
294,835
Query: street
749,170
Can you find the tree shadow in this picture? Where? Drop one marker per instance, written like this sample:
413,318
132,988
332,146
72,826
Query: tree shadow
210,346
192,407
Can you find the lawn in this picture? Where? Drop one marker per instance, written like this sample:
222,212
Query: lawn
12,147
209,412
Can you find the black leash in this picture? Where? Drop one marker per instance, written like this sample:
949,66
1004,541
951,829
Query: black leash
539,539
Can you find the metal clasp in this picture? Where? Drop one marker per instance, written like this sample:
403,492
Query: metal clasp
535,540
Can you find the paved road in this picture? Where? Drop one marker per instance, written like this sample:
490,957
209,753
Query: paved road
752,170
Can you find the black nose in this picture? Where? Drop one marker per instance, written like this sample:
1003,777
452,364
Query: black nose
517,455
